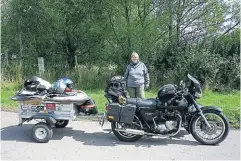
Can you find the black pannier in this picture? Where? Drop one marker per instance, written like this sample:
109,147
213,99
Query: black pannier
121,113
116,87
167,92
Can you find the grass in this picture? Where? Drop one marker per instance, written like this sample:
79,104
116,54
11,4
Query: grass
228,102
8,90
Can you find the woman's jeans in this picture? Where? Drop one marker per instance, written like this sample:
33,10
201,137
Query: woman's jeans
136,92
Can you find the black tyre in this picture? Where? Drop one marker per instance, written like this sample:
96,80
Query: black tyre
61,123
42,133
122,136
216,134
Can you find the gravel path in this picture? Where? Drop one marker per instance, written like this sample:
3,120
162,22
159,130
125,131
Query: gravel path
87,140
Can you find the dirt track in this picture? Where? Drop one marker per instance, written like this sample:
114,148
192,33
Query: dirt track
87,140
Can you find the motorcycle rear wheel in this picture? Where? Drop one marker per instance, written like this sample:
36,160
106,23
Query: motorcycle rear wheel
126,137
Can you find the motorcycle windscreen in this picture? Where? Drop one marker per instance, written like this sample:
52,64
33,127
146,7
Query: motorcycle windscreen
196,84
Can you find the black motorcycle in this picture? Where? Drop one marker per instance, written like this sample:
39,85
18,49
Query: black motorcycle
174,108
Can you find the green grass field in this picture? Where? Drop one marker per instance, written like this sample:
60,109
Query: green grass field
228,102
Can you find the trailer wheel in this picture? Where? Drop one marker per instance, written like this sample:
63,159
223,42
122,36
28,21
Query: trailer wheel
42,132
61,123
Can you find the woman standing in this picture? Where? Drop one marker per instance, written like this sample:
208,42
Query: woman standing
137,77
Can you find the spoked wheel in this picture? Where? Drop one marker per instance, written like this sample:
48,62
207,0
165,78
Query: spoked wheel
215,134
42,133
61,123
127,137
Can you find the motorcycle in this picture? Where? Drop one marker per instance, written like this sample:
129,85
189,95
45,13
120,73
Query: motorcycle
174,108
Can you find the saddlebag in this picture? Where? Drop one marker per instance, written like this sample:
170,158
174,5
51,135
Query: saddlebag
121,113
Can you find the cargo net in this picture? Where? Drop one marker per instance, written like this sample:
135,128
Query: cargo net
116,88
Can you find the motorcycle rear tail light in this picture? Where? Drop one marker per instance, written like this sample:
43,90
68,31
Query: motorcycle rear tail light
107,108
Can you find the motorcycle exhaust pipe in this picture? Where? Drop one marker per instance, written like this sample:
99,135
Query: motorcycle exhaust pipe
138,132
132,131
141,132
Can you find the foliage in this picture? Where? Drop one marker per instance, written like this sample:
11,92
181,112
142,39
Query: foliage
91,40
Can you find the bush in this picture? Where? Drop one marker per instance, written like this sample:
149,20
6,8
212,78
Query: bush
212,70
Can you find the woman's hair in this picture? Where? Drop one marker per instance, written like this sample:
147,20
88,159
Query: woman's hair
134,53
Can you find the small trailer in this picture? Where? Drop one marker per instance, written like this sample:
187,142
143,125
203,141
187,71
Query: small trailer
53,111
51,114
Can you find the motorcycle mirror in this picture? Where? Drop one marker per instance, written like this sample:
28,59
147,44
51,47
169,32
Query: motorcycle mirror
182,84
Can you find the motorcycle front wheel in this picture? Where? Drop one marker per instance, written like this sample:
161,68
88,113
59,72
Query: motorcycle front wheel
123,136
215,134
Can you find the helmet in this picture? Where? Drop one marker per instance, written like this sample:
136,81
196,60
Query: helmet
167,92
67,81
35,79
59,87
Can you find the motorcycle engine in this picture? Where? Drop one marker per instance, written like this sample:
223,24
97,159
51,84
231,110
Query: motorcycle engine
167,122
170,125
167,126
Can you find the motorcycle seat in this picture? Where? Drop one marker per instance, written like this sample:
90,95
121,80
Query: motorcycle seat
150,102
